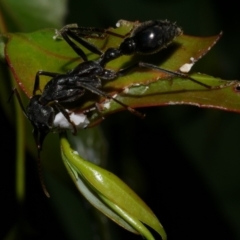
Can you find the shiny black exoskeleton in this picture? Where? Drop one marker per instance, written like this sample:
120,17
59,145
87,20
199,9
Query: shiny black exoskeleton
150,37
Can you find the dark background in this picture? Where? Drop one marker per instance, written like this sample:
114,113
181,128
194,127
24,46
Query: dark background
183,161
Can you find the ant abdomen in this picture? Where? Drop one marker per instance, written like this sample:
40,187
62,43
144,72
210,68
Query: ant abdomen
150,37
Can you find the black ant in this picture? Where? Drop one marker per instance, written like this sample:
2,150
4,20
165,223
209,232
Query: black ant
145,38
148,38
89,75
63,88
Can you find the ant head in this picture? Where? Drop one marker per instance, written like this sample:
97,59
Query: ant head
41,118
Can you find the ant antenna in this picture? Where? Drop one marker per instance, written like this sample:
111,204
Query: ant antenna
40,175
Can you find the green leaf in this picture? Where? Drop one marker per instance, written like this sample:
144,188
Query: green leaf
109,194
140,88
31,15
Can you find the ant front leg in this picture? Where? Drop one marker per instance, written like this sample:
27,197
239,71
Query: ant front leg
76,35
37,79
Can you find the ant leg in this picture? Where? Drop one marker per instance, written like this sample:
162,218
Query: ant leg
122,72
66,33
15,91
96,107
92,32
66,115
180,74
37,79
99,110
103,94
75,48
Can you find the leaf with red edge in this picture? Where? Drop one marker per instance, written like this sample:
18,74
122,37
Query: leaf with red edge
29,53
